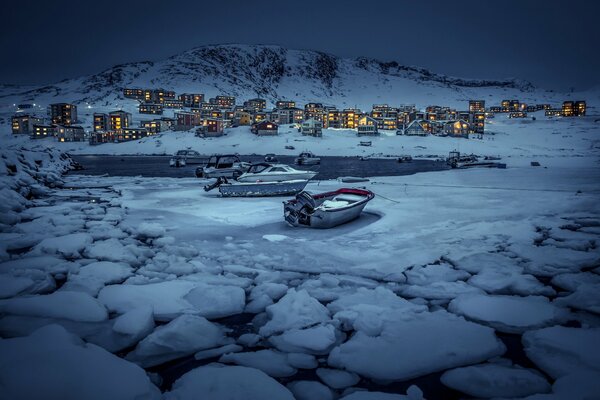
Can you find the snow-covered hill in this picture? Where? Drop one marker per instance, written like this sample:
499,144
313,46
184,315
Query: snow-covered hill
275,72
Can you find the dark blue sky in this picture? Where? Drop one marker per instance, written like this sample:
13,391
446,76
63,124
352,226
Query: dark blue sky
554,44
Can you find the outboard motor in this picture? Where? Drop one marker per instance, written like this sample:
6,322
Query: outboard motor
220,180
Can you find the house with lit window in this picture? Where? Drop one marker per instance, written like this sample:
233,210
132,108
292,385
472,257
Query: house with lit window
191,100
242,118
314,111
42,131
510,105
349,118
517,114
367,126
312,127
476,106
117,120
573,108
331,118
133,93
101,122
288,115
62,113
22,124
255,105
158,95
101,137
185,120
476,122
157,125
459,128
265,128
132,133
173,103
211,127
150,108
285,104
553,112
223,101
418,128
70,133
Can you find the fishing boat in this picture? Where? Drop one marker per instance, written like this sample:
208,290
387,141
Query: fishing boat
404,158
186,157
265,172
307,158
257,189
456,160
222,165
326,210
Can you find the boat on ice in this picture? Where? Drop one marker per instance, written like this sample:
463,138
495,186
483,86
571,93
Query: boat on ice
271,158
307,158
257,189
404,158
326,210
265,172
222,165
186,157
456,160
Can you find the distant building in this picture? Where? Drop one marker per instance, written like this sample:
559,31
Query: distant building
101,137
133,93
211,128
117,120
266,128
101,122
367,126
22,124
185,120
477,122
70,133
173,103
191,100
312,127
496,109
573,108
331,118
285,104
157,125
150,108
255,104
510,105
386,116
314,111
223,101
553,112
517,114
349,118
63,113
242,118
476,106
128,134
288,115
157,95
43,131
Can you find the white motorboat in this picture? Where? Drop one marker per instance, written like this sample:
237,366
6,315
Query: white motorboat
257,189
326,210
227,166
265,172
307,158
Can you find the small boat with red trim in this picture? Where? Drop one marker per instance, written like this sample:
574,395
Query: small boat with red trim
326,210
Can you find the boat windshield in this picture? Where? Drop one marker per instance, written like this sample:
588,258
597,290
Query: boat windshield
255,169
181,153
227,161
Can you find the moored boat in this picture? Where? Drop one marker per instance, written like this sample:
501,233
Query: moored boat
326,210
265,172
257,189
186,157
307,158
223,165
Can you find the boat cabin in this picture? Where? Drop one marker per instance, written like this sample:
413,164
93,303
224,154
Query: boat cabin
223,161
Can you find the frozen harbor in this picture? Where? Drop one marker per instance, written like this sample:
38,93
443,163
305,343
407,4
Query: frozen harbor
477,283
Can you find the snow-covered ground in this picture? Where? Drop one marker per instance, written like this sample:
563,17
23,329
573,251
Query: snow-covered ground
484,281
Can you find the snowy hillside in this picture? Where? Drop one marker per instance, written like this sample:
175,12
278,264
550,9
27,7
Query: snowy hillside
275,72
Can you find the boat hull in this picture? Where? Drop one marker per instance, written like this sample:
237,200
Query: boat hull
276,178
262,189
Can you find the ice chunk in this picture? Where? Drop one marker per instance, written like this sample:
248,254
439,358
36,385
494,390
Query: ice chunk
301,360
172,298
184,335
150,230
417,344
439,290
76,306
227,382
270,362
211,353
511,314
336,378
275,238
317,339
93,277
559,351
137,322
571,282
367,309
310,390
550,260
413,393
111,250
294,310
586,297
54,364
434,273
69,246
493,380
581,385
11,286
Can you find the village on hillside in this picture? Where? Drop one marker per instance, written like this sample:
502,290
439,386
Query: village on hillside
191,111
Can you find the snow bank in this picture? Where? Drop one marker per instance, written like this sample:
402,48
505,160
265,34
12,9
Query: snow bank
54,364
